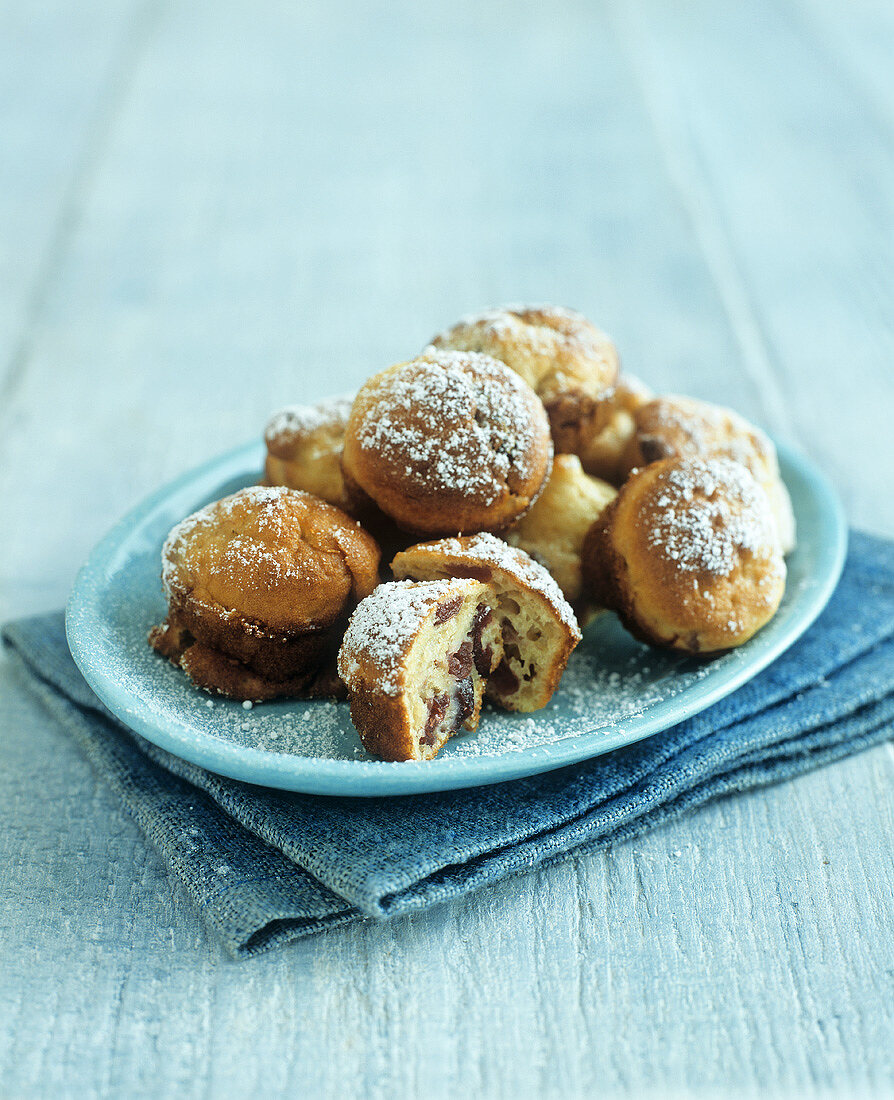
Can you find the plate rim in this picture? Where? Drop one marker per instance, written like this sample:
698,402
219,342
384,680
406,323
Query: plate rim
373,778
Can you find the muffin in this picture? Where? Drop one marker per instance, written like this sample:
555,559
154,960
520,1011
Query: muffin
688,555
415,658
600,434
448,442
538,627
262,583
683,427
558,352
304,445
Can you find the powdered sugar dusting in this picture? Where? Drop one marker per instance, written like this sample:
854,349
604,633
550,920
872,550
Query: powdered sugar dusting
263,542
293,421
610,680
611,683
708,513
528,330
455,422
687,427
383,627
486,549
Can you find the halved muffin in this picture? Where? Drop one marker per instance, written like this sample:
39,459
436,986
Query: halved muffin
415,658
538,627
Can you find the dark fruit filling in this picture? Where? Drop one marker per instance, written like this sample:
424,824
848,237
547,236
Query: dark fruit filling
510,640
476,572
472,654
437,710
459,664
482,656
447,610
438,705
504,681
465,701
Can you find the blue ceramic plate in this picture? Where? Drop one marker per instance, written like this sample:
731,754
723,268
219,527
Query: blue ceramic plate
614,692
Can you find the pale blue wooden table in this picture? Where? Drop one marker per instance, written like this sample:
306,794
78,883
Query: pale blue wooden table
209,209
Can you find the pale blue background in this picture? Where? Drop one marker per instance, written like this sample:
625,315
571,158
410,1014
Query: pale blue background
208,209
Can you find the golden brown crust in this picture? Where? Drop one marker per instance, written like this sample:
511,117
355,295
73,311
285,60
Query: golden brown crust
383,723
276,558
553,530
304,446
170,640
598,564
259,587
688,555
684,427
448,442
213,671
558,352
599,432
322,478
276,655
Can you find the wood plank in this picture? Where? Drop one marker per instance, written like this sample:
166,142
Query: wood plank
799,181
858,37
64,72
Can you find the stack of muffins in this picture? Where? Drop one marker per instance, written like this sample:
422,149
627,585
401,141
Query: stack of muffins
518,485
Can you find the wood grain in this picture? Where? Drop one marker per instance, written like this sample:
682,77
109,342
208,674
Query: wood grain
812,243
233,206
64,74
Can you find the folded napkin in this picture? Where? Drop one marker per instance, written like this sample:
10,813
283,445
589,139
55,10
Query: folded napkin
266,867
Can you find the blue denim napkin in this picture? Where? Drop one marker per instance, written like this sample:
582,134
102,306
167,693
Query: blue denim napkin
266,867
